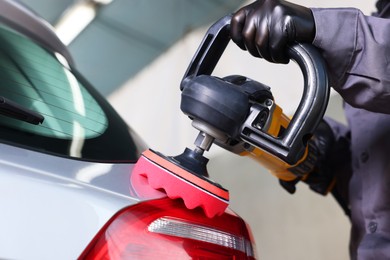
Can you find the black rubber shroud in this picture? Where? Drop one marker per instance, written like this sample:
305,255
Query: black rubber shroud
222,103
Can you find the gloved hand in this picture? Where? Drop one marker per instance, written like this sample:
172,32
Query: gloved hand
321,179
265,27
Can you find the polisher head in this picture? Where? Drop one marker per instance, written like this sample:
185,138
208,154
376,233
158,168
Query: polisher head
156,171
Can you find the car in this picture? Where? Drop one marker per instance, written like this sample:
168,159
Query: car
66,164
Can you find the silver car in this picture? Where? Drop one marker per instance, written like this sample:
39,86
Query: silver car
66,163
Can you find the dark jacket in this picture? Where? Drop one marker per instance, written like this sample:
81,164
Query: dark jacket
357,51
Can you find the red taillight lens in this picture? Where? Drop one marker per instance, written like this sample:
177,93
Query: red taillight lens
165,229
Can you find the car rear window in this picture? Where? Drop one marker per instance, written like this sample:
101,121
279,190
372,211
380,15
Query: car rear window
78,122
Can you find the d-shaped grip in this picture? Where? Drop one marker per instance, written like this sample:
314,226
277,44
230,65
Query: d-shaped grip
291,144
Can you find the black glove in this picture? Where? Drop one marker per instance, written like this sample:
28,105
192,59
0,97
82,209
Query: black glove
265,27
321,178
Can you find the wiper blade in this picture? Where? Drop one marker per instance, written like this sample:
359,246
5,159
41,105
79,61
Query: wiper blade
14,110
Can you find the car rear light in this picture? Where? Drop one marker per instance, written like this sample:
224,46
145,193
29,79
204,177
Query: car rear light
165,229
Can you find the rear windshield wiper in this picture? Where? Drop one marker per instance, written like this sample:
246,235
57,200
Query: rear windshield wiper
14,110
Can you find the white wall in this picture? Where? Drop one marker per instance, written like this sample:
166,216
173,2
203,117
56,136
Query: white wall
302,226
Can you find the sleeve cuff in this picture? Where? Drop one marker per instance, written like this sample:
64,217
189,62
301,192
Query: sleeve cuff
336,32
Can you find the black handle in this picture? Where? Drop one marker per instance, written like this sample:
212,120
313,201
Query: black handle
290,146
210,50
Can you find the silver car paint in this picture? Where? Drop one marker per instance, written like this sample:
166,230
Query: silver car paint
52,207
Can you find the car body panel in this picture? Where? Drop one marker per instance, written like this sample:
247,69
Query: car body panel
52,207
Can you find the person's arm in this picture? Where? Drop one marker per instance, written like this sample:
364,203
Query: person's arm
355,47
339,162
332,169
357,51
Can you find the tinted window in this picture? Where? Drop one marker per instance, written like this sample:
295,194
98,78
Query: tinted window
78,122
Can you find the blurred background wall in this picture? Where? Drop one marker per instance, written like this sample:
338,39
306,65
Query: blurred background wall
300,226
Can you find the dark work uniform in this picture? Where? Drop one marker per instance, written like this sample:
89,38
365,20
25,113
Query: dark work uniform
357,51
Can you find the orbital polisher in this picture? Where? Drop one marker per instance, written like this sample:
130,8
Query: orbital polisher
241,116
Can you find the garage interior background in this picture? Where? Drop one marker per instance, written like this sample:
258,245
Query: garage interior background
135,53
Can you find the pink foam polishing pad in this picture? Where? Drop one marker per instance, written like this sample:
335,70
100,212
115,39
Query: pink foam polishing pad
154,173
